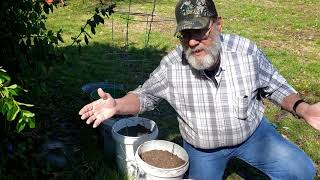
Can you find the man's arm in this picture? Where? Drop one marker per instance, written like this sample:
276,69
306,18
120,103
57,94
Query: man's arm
128,104
106,107
310,113
276,88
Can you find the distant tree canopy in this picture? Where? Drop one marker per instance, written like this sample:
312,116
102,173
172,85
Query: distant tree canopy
28,49
26,44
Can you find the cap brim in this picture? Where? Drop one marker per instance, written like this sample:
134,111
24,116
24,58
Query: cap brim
193,23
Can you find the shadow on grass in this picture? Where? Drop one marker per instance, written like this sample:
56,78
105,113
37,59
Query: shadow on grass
62,146
94,63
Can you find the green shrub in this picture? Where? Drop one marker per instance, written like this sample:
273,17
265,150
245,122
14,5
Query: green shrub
10,108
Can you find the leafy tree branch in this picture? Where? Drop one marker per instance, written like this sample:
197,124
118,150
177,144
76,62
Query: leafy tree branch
93,22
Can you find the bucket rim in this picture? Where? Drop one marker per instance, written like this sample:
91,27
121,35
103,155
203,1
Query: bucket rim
154,130
138,158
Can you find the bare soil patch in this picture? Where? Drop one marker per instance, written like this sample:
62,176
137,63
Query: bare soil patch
162,159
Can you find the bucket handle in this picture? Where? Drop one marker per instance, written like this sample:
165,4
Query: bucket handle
138,175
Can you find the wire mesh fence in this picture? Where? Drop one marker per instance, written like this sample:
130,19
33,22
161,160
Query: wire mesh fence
132,54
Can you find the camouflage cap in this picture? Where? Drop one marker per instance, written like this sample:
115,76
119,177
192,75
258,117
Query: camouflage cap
194,14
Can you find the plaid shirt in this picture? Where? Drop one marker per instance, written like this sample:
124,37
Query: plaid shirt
218,111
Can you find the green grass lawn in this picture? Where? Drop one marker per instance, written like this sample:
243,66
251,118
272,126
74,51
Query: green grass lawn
287,31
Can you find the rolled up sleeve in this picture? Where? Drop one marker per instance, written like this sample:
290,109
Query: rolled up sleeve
153,90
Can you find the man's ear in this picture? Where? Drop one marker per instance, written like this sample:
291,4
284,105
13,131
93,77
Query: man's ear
219,24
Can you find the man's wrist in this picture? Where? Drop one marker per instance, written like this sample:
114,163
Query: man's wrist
300,108
117,106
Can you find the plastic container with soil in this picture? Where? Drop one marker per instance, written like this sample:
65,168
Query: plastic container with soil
170,161
129,134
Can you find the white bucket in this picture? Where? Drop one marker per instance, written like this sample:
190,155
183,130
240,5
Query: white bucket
126,146
149,172
105,129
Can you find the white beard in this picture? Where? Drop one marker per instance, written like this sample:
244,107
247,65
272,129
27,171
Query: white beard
210,59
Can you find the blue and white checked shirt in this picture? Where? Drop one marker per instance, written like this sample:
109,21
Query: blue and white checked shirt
218,111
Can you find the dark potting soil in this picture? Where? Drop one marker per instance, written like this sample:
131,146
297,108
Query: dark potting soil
134,131
162,159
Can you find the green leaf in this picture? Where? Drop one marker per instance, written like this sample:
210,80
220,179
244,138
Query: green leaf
9,103
13,112
92,23
4,106
5,92
15,90
32,123
96,19
4,77
88,22
46,8
103,12
14,86
1,103
86,39
97,10
93,30
24,104
50,33
27,114
110,9
20,126
101,20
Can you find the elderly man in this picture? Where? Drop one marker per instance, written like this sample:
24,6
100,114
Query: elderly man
216,83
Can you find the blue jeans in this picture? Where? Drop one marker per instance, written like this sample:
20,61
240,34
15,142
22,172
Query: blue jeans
265,150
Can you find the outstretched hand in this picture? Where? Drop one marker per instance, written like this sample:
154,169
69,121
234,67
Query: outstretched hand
99,110
312,115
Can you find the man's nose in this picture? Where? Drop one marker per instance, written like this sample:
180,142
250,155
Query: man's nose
192,42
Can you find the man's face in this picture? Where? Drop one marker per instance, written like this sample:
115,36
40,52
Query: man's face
202,47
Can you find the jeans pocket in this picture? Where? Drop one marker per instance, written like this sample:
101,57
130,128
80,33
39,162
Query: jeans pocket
241,107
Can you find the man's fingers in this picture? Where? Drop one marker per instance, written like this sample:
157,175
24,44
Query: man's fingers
85,109
96,123
86,115
90,119
103,94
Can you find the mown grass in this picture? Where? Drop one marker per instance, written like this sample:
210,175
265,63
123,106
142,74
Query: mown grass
287,31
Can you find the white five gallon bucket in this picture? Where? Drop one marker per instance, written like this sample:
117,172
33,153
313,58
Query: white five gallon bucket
126,146
149,172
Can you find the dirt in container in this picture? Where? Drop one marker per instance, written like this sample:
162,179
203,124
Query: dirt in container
162,159
134,131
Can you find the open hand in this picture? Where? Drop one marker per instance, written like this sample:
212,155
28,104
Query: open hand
312,115
99,110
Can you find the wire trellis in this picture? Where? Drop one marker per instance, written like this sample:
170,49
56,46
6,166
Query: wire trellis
132,63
